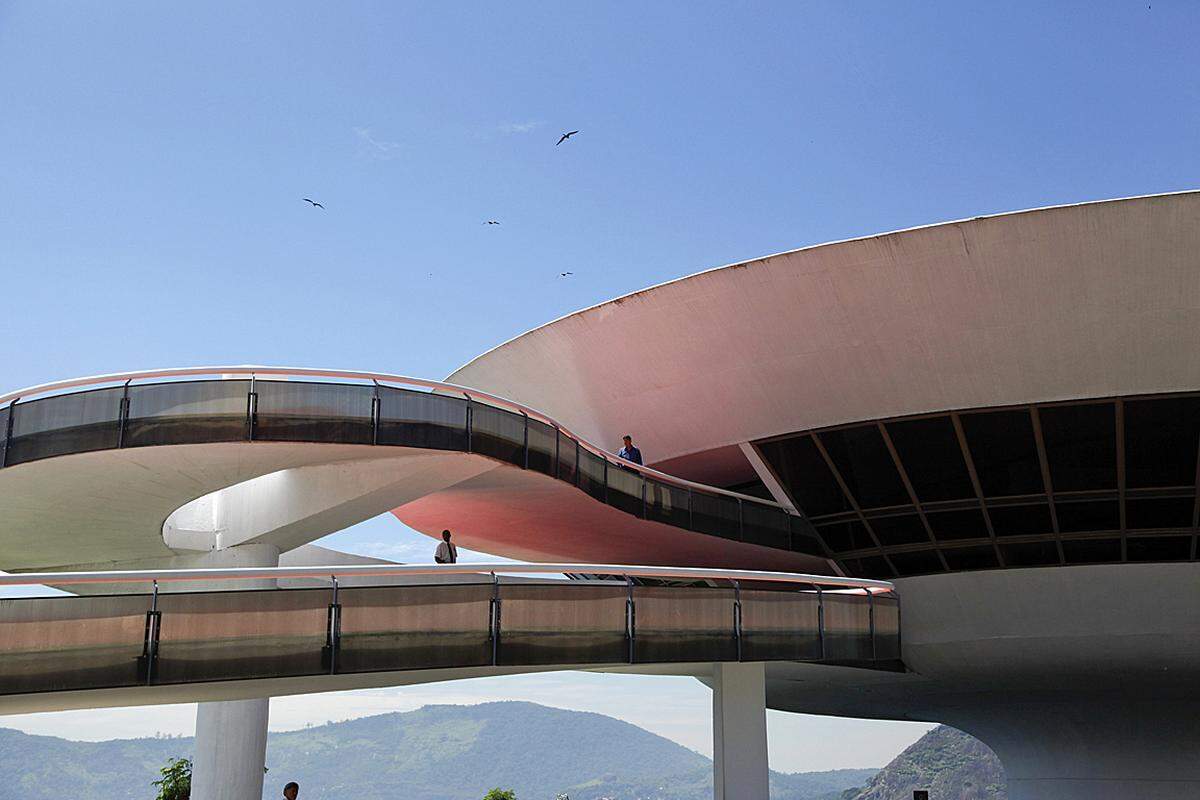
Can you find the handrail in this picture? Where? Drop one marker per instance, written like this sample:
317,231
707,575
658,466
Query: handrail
377,570
225,373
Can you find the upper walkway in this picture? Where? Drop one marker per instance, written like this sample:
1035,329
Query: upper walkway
137,468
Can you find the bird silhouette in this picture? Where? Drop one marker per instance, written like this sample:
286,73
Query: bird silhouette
313,203
565,136
565,274
492,222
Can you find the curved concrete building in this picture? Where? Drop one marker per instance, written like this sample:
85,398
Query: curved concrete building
1000,416
1001,413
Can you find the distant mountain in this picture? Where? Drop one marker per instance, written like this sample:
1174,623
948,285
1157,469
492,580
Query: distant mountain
433,753
947,762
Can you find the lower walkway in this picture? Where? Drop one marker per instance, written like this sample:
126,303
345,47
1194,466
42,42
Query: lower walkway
239,646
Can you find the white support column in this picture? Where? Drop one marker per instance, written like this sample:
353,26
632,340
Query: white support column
231,736
231,750
740,732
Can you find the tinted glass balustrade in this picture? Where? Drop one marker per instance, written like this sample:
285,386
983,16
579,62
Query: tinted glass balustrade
69,423
543,444
498,433
207,411
50,644
194,412
847,625
294,411
422,419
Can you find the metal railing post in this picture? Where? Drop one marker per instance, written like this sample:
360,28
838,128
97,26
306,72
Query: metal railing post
123,415
251,410
376,412
8,429
494,619
737,617
150,642
871,620
470,422
557,467
630,617
605,478
333,630
820,619
526,416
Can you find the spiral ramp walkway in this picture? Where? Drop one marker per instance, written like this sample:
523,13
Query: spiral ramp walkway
178,508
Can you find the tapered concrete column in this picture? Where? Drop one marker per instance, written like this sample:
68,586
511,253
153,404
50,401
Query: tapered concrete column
740,732
231,736
231,750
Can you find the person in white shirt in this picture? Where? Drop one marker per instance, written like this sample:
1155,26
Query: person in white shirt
446,553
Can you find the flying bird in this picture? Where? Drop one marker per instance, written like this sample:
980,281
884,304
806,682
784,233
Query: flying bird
565,274
565,136
313,203
492,222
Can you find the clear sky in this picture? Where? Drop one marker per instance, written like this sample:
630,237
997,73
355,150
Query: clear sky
153,158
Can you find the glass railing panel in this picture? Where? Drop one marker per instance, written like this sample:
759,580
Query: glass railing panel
847,627
187,412
297,411
69,423
415,627
215,636
765,525
887,627
567,457
571,623
780,624
683,624
667,503
591,473
498,433
625,489
804,538
54,644
422,419
715,514
542,453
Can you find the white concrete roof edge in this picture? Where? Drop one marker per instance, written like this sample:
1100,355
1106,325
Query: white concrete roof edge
372,570
805,248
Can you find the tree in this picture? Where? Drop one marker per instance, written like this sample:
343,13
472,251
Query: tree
176,781
500,794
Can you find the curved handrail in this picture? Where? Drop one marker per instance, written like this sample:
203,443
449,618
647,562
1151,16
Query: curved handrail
377,570
225,372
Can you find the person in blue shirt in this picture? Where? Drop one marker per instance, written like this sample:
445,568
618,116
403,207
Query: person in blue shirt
629,452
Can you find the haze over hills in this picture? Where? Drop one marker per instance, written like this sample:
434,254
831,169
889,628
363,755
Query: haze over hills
433,753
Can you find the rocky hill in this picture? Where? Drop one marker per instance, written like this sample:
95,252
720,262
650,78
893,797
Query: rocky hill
949,763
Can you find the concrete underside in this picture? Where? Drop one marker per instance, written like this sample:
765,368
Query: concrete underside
104,508
281,687
1082,679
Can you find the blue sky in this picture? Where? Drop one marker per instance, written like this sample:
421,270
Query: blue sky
153,157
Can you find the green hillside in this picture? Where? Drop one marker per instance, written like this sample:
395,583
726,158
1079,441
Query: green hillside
433,753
